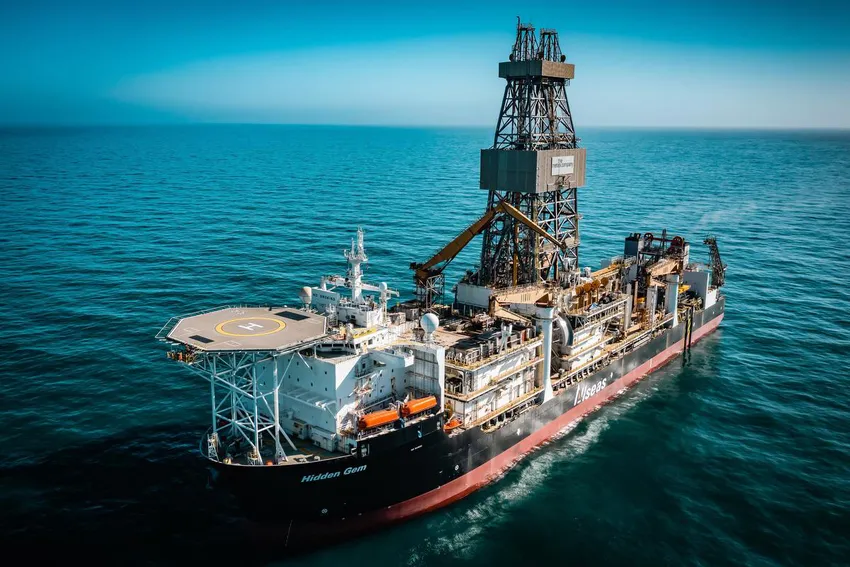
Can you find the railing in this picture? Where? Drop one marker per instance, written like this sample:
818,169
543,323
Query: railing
364,372
605,312
519,405
473,357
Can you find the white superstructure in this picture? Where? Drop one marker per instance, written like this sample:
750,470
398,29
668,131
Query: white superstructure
289,384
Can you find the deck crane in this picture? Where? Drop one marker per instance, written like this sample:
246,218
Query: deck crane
429,274
718,268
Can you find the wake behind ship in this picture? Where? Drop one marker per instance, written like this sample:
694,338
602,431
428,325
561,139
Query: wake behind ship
345,413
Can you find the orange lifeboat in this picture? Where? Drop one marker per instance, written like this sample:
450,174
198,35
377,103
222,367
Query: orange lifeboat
453,423
418,406
377,418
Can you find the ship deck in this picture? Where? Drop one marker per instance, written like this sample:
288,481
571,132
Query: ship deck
248,328
305,450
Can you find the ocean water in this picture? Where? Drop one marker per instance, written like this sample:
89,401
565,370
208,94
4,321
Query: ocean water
738,456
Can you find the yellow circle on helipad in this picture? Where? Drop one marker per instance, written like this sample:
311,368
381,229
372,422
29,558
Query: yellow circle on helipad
248,327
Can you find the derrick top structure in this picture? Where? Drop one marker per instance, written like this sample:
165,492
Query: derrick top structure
535,112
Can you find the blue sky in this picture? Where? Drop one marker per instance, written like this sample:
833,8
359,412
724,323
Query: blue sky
649,63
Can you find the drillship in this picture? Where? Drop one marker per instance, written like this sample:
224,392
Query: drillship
345,413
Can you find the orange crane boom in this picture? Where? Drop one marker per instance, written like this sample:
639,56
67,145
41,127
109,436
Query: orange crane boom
437,263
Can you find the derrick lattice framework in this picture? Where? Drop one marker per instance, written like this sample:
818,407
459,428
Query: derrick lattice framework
535,165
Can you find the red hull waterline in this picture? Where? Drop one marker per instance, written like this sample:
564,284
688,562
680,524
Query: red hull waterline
476,478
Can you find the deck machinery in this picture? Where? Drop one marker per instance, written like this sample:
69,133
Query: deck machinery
346,413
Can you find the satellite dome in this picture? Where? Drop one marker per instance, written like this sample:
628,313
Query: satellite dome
305,295
429,323
383,287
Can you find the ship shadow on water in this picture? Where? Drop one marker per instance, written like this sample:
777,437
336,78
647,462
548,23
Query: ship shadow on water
139,499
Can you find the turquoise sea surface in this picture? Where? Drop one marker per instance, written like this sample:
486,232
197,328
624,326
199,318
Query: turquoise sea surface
738,456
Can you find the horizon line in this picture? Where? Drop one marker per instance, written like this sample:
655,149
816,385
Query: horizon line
58,125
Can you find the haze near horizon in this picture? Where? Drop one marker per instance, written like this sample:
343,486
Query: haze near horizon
751,64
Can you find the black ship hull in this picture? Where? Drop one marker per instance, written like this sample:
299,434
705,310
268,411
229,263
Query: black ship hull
414,470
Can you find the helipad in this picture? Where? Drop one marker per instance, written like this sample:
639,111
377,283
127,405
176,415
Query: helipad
249,328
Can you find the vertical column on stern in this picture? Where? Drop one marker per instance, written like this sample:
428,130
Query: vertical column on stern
545,317
672,297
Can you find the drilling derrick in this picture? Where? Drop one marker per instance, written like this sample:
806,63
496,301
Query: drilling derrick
535,165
